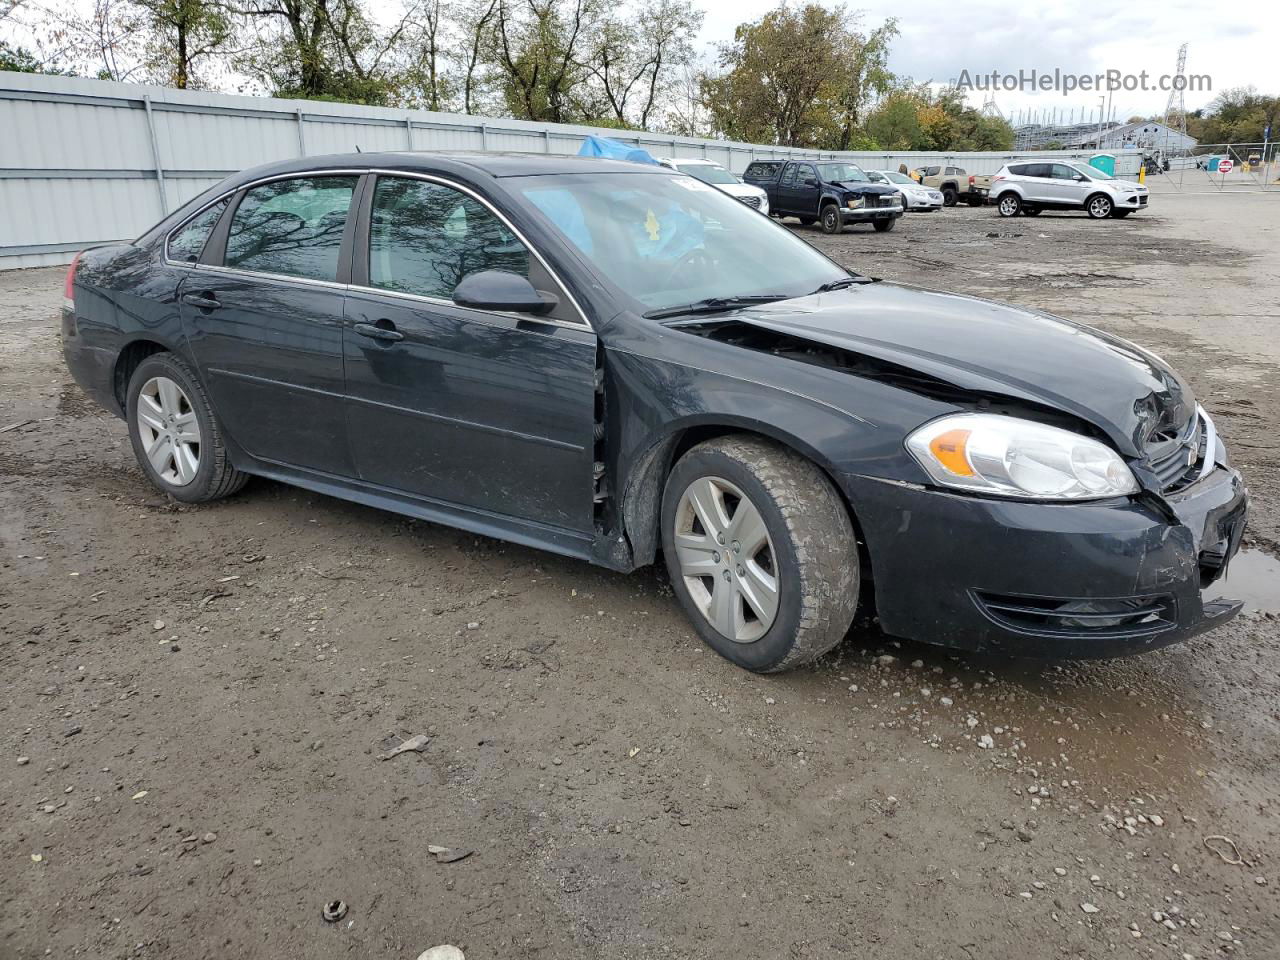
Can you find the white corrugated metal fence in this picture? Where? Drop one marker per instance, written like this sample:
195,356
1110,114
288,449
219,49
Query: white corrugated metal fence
90,161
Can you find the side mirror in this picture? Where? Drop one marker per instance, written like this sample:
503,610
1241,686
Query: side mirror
810,182
1080,178
502,290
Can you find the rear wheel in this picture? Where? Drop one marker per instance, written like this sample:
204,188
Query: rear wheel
830,218
1099,206
175,436
761,552
1009,204
884,226
975,201
806,221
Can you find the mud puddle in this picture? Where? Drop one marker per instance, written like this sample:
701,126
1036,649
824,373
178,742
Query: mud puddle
1253,577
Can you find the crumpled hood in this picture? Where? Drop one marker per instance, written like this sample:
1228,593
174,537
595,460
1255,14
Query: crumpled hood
994,348
859,186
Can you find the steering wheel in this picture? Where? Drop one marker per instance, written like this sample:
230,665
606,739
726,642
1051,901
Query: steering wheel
697,257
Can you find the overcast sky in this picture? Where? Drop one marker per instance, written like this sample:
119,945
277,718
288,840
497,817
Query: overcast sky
1234,44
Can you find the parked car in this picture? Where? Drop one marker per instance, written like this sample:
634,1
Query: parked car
954,184
1029,187
914,196
832,193
708,171
604,360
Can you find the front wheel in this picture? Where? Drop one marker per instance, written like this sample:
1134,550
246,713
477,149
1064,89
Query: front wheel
830,219
1099,207
884,226
760,551
949,196
1009,205
175,435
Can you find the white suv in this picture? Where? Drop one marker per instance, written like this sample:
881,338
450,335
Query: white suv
708,171
1034,185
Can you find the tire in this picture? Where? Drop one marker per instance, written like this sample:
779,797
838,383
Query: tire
949,196
831,219
1099,206
1009,204
165,399
884,226
804,221
1031,211
808,549
1120,214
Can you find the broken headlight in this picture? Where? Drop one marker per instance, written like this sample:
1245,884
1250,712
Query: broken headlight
1009,457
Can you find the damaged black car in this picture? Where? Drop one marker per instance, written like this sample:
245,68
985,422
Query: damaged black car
612,361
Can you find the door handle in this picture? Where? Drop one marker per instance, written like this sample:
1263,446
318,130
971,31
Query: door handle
386,333
202,300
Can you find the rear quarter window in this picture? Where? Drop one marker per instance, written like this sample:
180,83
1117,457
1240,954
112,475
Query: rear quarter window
187,242
761,170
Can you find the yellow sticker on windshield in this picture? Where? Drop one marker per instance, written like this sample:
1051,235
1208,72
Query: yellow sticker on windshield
655,229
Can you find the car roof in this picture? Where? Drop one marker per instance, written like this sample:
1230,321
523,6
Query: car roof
462,162
704,160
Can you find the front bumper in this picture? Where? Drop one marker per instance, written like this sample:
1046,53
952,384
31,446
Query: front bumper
1098,579
863,214
1132,201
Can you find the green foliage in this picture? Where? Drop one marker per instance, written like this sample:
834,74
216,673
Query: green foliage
22,60
1239,115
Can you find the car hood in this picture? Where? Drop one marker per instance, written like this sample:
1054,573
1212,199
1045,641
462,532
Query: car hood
993,348
740,189
860,186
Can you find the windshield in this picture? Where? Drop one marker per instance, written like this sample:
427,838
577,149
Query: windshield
667,241
707,173
835,172
1093,172
894,177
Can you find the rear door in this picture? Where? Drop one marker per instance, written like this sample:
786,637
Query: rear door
485,410
788,196
263,315
1035,181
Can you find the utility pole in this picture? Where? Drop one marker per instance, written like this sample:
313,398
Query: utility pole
1102,104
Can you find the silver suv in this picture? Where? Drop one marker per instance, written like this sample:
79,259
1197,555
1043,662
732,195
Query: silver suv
1031,186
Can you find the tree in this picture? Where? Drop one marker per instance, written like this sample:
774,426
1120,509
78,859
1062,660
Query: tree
322,49
799,76
638,55
538,52
1238,115
181,35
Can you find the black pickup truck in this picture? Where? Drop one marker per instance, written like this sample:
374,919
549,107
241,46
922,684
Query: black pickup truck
831,192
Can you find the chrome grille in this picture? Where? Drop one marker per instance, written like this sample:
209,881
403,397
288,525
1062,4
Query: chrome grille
1177,457
751,201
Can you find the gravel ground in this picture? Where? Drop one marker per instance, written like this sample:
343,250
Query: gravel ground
195,701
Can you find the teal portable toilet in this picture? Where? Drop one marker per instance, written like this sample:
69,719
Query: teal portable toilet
1213,164
1106,162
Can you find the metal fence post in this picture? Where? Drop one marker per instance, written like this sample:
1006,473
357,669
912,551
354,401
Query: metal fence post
302,134
484,137
408,132
155,153
546,140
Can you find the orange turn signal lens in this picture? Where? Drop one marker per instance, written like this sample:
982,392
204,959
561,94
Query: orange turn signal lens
949,450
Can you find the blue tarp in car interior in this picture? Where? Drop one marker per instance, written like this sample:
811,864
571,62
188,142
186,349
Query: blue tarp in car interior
613,150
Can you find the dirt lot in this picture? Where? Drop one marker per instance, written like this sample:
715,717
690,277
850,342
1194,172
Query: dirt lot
203,695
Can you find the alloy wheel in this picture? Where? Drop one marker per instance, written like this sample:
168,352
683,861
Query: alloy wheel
1100,207
169,431
1008,206
726,557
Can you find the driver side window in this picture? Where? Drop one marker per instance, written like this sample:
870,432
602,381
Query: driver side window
425,237
1060,171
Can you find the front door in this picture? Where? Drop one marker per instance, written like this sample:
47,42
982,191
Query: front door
1067,185
484,410
265,322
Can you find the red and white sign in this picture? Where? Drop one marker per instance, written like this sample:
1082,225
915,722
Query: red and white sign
1224,166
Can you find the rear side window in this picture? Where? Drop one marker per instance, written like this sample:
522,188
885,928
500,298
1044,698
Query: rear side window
955,172
187,242
425,237
291,227
761,170
1019,169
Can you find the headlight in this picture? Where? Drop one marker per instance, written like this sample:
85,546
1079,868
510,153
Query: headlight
855,202
1008,457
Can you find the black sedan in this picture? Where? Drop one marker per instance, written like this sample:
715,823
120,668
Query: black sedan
606,360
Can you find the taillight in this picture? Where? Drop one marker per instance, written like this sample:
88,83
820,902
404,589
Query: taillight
971,180
69,288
